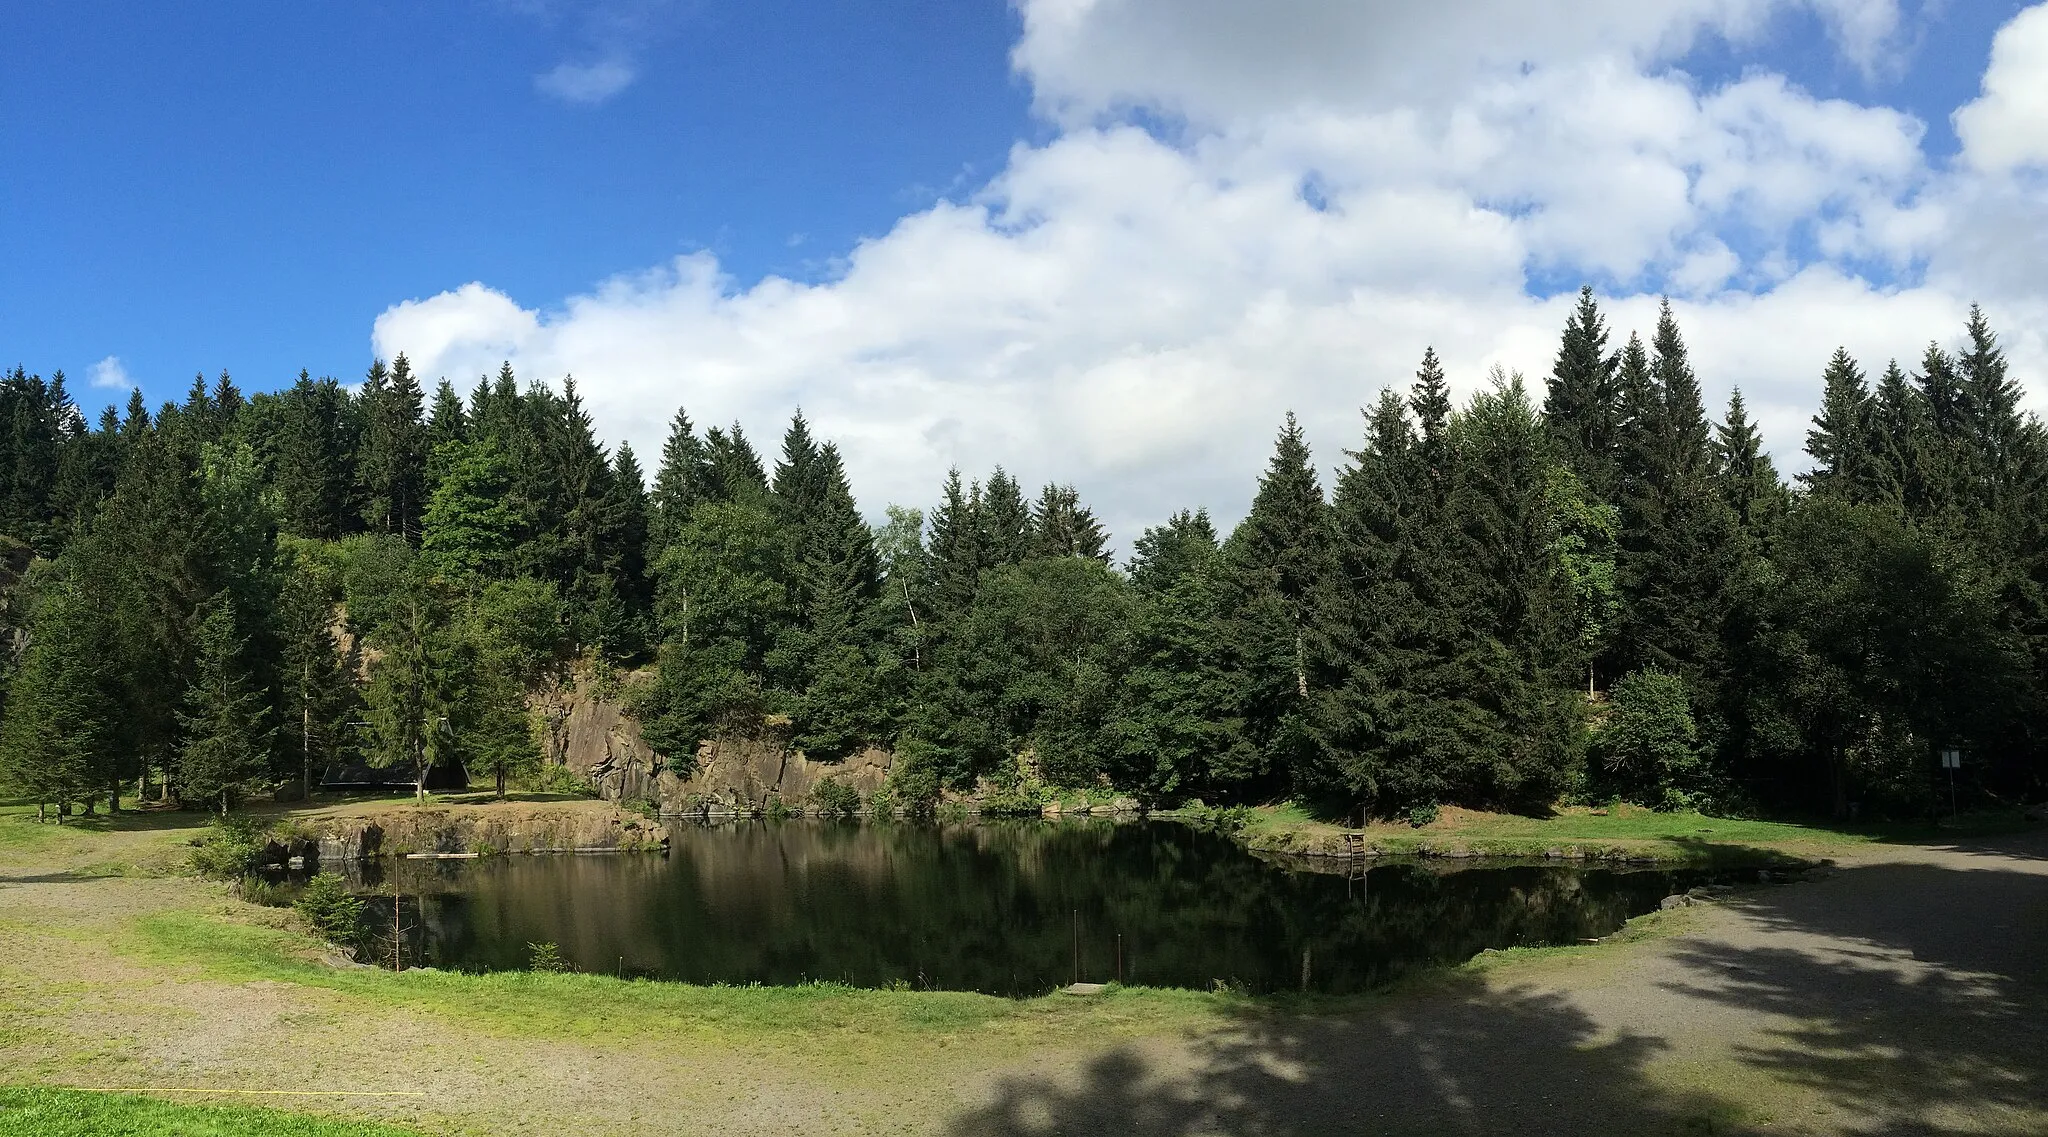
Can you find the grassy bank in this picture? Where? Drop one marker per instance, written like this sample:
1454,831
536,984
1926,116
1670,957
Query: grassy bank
1620,832
39,1111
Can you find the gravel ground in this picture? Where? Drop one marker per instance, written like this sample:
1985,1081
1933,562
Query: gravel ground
1908,993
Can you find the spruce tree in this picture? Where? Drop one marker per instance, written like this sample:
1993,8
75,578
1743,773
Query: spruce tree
1579,405
1005,521
1275,561
1679,553
392,464
1747,476
956,550
1062,527
628,540
1841,440
678,485
58,739
447,426
732,468
224,722
1895,442
318,693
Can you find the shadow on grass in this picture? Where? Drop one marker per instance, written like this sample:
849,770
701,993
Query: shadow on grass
1913,999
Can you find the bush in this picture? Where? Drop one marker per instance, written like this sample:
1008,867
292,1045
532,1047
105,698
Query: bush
913,784
332,910
232,845
1228,820
552,778
546,958
1649,744
1422,815
835,798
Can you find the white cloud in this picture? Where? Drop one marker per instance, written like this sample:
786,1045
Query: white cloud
2007,127
586,84
109,374
1136,313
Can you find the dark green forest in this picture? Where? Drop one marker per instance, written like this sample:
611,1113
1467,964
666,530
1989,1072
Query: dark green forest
1584,592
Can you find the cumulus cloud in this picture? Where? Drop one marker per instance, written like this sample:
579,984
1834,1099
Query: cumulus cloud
586,84
1135,309
109,374
2007,127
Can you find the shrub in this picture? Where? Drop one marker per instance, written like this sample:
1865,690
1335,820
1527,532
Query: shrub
835,798
1228,820
1422,815
546,958
232,846
1649,744
332,910
913,784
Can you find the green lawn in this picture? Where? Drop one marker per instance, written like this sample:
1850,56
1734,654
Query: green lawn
37,1111
1620,830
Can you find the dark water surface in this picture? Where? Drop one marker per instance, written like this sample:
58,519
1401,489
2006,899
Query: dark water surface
1010,908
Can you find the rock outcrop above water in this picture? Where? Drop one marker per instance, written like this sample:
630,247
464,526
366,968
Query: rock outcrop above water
487,829
596,739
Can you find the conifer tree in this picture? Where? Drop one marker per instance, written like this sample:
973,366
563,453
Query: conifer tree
1841,441
447,425
1177,728
1275,561
1579,405
58,739
628,513
1897,437
956,546
1519,663
224,723
310,459
318,697
1005,521
393,458
1747,476
678,485
1062,527
732,468
1679,552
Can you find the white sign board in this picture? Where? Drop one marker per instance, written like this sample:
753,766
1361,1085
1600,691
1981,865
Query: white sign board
1951,759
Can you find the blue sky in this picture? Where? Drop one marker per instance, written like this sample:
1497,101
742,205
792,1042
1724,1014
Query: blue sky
954,232
246,185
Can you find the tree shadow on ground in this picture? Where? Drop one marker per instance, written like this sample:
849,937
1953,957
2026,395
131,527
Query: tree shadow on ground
1473,1061
1888,998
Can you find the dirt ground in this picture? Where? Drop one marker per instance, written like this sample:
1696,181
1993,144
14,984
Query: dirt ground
1908,993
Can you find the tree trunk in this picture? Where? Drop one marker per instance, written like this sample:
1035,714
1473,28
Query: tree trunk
501,781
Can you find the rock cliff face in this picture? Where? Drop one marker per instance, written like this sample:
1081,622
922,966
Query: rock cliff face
593,736
509,827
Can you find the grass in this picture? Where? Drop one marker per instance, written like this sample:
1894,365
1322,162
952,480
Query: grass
818,1017
1620,831
48,1112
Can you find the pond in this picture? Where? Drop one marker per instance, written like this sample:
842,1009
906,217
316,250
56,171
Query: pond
1007,908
